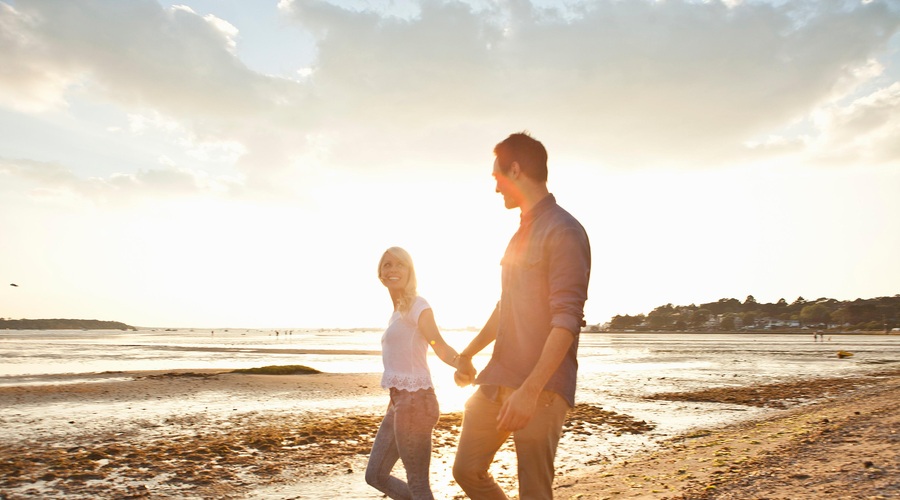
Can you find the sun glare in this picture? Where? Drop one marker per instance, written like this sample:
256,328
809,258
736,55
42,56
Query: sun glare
451,397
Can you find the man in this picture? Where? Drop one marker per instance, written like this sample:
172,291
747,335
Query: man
528,385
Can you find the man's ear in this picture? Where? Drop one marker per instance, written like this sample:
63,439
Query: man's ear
515,170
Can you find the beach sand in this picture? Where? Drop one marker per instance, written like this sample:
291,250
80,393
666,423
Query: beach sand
845,445
212,434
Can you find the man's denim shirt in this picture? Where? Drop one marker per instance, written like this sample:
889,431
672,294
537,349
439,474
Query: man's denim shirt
545,273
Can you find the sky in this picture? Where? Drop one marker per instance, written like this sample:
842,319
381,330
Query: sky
223,163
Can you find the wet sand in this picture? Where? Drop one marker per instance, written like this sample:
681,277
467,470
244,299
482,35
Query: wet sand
187,434
832,438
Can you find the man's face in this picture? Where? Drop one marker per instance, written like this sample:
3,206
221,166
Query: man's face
506,187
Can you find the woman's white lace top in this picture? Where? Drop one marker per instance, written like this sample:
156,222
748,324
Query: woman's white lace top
403,351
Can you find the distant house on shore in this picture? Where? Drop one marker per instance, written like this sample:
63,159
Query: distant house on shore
782,323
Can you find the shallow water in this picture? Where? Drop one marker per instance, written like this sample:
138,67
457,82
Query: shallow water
32,352
615,372
612,367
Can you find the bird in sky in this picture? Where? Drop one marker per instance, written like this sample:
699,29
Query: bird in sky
13,284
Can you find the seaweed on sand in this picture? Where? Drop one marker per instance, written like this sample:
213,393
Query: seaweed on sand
279,370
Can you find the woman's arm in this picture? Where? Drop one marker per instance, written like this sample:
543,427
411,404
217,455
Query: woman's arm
430,331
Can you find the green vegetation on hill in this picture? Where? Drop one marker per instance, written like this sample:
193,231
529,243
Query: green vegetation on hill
62,324
877,314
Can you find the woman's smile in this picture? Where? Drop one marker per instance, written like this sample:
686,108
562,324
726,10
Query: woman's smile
393,271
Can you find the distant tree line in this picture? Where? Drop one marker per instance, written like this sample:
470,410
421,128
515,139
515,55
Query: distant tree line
877,314
62,324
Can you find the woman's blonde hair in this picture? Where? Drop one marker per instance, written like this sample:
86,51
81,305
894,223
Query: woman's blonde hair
405,301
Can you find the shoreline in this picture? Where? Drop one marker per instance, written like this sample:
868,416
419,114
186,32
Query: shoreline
210,433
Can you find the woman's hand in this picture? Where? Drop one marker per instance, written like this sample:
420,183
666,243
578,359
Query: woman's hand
465,371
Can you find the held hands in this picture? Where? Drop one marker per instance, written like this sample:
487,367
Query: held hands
463,380
465,371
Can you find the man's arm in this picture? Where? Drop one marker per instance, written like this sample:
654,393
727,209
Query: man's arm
518,409
465,370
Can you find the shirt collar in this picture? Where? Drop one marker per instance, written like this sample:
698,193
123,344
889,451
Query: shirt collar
540,207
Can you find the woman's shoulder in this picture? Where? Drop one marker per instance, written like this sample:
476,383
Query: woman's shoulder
419,304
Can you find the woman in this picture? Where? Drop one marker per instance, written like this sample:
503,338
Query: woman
405,432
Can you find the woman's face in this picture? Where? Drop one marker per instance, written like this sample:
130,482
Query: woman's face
394,273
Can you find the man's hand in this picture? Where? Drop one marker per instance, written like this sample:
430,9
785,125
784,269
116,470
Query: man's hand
465,372
517,410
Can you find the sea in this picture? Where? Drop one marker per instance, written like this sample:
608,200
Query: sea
609,363
616,372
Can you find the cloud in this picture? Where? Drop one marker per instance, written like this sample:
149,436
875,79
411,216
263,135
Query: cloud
50,174
136,53
617,83
624,82
28,82
866,130
144,59
51,181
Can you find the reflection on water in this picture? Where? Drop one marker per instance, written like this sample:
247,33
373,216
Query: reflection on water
615,372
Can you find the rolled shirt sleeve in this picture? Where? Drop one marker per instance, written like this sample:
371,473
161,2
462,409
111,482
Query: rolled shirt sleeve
569,273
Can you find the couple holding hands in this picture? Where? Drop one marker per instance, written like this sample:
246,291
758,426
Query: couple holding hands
528,385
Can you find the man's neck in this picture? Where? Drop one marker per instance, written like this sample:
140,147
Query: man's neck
533,198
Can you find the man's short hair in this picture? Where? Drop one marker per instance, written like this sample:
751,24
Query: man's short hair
525,150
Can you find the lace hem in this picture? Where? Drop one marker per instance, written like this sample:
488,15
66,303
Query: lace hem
406,382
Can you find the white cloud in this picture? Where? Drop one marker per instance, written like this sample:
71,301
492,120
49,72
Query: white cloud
29,81
55,182
866,130
207,151
623,82
777,145
612,83
139,123
173,65
223,151
40,172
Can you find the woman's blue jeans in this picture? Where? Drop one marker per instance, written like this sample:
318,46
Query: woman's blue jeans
405,434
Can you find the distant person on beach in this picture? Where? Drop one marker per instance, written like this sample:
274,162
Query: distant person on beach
528,385
405,432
